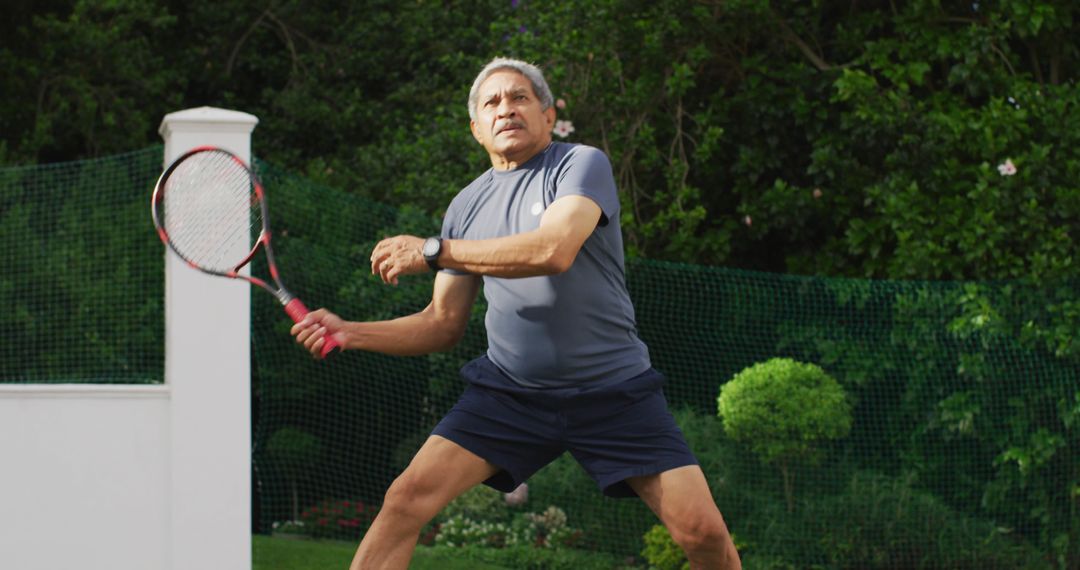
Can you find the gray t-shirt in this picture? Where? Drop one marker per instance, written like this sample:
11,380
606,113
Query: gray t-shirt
560,330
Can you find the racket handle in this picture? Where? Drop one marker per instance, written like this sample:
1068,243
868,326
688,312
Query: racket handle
297,311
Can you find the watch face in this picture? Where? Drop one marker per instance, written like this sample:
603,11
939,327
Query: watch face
431,247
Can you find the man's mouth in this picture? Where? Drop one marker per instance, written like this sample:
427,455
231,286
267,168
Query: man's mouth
509,127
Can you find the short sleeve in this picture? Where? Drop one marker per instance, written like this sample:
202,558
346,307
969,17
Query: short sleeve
586,171
450,231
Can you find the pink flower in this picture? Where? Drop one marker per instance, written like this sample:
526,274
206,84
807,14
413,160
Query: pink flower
563,128
518,496
817,193
1007,168
560,103
748,221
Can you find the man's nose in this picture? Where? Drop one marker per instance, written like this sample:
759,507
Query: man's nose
505,109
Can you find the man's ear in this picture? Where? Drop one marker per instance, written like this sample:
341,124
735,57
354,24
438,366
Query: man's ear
475,132
549,114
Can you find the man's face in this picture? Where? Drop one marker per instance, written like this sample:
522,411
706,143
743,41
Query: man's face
510,123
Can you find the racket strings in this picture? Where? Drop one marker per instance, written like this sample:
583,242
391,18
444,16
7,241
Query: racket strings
211,211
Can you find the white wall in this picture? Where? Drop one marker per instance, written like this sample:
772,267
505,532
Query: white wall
107,477
84,477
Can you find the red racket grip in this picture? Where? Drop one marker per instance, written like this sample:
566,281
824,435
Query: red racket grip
297,311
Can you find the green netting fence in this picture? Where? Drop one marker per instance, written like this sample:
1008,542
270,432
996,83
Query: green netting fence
963,451
81,288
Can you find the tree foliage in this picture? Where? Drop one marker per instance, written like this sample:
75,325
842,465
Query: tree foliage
825,137
838,138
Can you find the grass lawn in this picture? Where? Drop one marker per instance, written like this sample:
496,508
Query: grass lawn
291,554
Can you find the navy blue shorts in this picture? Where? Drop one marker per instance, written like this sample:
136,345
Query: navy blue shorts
615,431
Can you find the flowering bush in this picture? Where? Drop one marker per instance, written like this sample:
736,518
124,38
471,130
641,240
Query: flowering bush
547,529
481,503
462,531
340,519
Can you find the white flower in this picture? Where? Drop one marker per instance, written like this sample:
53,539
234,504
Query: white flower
1007,168
560,103
563,128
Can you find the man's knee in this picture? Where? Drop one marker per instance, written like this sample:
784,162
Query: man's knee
701,534
411,499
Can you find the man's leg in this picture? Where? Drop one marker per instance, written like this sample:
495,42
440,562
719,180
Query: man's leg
682,500
439,472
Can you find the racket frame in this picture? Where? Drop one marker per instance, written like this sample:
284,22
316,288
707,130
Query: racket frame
293,306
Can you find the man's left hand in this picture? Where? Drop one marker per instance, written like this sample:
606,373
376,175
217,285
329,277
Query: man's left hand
397,256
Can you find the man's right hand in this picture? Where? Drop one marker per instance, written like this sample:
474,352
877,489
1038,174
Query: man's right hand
397,256
315,327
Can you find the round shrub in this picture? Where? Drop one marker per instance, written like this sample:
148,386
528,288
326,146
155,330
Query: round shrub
782,408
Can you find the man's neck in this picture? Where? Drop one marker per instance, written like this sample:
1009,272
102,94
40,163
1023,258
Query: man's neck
510,162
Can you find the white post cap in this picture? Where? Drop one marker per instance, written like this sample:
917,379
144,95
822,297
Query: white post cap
202,118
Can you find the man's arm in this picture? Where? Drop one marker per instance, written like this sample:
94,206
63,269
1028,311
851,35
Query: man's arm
547,250
438,327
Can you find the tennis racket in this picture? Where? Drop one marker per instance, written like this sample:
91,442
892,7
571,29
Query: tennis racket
210,209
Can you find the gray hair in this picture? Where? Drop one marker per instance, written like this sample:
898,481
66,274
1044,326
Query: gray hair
530,71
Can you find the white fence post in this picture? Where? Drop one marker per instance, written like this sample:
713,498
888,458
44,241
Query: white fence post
208,369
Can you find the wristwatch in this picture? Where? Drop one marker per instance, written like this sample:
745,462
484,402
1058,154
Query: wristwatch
431,250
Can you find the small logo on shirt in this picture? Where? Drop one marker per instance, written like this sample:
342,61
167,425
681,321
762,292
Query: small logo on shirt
537,208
